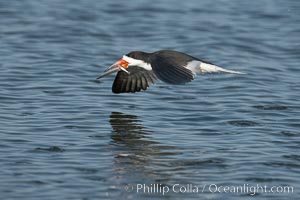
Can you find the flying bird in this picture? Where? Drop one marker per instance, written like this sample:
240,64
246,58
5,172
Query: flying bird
138,70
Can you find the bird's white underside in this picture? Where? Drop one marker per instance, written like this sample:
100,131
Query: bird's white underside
197,67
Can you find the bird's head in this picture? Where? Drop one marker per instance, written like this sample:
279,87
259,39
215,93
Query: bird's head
121,64
134,58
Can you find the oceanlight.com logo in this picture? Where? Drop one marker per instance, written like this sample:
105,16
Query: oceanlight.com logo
248,189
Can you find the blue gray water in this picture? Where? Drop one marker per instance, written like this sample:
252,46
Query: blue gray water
65,135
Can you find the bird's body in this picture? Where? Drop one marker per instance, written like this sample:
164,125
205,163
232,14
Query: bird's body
138,70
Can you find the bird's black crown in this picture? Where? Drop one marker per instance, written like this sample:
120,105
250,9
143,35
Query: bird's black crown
139,55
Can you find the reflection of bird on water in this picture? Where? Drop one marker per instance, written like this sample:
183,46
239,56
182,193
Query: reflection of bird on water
129,131
131,145
136,153
134,140
128,128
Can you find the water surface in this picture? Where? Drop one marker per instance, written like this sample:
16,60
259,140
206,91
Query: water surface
65,135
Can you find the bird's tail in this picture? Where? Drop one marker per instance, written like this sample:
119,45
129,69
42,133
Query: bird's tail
210,68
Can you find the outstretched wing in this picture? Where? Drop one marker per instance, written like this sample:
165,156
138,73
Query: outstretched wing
138,79
170,67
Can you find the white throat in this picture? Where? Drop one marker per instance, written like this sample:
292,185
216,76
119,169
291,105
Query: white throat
135,62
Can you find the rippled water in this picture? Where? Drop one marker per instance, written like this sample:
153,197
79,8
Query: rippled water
64,135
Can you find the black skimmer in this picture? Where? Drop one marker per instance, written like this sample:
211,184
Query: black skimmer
137,70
